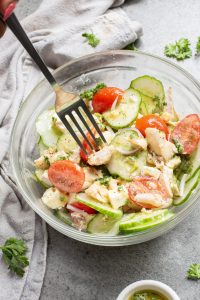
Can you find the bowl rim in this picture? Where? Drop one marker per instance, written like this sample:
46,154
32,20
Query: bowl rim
119,240
155,285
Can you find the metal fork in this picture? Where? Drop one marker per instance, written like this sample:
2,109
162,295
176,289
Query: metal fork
66,103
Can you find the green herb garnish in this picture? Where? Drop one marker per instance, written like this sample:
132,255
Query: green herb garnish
179,50
120,188
62,198
88,94
130,47
104,180
198,46
14,251
91,38
99,141
185,166
194,272
178,145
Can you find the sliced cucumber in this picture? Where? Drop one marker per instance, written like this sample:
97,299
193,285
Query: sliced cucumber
63,216
148,86
125,112
190,186
45,129
135,219
121,141
41,146
105,225
147,225
126,166
102,208
195,160
148,105
67,143
38,174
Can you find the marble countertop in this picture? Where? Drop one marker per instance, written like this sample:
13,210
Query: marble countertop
77,271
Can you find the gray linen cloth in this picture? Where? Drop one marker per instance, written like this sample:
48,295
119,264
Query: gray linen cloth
55,29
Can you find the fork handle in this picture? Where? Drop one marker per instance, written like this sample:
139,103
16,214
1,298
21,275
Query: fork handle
19,32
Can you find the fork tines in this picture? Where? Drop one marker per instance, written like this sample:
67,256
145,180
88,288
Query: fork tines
74,108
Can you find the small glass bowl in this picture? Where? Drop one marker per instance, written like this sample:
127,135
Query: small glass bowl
115,68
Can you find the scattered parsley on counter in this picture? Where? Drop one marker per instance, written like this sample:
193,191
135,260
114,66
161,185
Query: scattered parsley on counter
14,251
179,50
194,272
88,94
198,46
91,38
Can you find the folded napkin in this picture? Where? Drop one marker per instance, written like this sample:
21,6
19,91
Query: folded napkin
56,30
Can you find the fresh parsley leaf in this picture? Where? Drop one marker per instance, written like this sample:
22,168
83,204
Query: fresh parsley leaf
194,272
88,94
14,251
91,38
104,180
198,46
179,50
178,145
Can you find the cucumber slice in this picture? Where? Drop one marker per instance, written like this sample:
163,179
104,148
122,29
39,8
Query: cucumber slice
195,160
135,219
148,105
102,208
63,216
105,225
148,86
41,146
67,143
147,225
125,112
38,175
121,141
190,186
45,130
126,166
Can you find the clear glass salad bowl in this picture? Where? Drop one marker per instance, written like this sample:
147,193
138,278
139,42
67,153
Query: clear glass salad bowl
115,68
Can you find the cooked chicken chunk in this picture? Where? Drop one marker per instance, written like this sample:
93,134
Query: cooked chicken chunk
101,157
166,179
139,143
150,171
54,199
91,174
158,144
80,220
98,191
174,162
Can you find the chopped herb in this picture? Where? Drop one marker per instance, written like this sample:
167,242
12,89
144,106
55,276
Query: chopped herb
61,157
120,188
14,251
99,141
198,46
179,50
178,145
83,164
91,38
104,180
194,272
185,166
159,105
114,176
88,94
130,47
62,198
46,159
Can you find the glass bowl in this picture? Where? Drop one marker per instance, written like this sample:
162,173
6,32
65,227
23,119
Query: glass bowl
115,68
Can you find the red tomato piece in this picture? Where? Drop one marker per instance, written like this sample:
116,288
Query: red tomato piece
84,207
104,98
145,184
66,176
151,121
187,133
87,147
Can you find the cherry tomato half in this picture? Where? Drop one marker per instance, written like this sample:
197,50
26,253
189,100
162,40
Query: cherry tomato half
151,121
87,147
104,98
84,207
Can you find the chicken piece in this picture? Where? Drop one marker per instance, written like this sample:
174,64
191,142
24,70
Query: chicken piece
155,160
41,163
54,199
169,114
108,136
60,155
156,200
174,162
157,142
80,220
75,156
91,174
139,143
98,191
45,178
166,179
101,157
150,171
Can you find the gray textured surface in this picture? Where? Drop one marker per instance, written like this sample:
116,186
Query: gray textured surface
77,271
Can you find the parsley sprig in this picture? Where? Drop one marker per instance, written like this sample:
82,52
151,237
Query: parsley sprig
14,251
91,39
179,50
198,46
194,272
88,94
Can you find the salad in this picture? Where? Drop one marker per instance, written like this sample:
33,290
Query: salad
149,165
